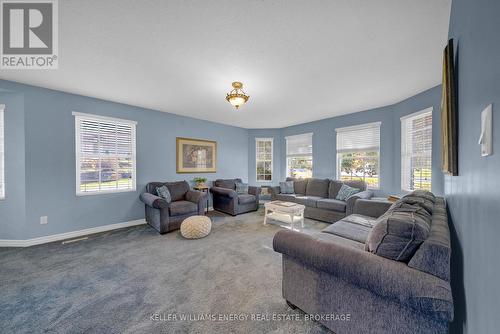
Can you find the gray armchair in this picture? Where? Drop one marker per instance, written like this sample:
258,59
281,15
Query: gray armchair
165,217
226,199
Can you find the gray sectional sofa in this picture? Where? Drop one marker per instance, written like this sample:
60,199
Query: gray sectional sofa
318,195
336,272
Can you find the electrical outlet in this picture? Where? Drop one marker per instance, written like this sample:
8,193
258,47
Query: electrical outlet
44,220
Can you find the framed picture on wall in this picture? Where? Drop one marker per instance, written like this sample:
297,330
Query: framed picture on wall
196,155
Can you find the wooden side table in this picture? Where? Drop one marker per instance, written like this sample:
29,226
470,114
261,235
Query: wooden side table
205,190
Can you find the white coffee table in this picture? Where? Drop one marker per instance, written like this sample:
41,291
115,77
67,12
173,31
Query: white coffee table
287,212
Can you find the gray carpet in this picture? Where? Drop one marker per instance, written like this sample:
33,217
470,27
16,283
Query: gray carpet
119,281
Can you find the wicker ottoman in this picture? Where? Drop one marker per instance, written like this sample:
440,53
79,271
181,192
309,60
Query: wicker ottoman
196,227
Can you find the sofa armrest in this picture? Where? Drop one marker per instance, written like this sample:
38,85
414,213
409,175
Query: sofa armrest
223,192
153,201
367,194
386,278
372,208
195,196
254,191
275,190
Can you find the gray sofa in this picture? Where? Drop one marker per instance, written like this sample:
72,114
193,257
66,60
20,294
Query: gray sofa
226,199
318,195
164,216
332,273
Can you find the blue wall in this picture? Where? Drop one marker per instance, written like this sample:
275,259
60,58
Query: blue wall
324,141
13,207
473,196
44,134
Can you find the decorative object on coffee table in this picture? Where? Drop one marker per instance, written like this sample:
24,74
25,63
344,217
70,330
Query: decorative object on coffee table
196,155
279,209
196,227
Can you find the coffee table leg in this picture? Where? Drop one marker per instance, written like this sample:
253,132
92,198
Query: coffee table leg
265,216
292,220
302,218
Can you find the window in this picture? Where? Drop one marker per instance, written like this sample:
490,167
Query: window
264,159
416,151
105,154
2,161
358,153
299,158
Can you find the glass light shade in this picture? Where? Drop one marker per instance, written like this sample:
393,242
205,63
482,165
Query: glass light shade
236,101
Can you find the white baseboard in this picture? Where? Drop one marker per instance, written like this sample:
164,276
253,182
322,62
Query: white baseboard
68,235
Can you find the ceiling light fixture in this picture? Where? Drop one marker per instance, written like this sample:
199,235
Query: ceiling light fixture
237,96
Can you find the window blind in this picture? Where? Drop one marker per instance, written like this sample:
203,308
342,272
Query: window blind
364,137
105,154
2,157
416,150
299,145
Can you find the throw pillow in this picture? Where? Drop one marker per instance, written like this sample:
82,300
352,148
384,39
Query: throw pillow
345,192
399,232
241,188
286,187
164,193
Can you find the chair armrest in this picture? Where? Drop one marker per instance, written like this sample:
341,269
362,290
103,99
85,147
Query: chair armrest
153,201
254,191
383,277
372,208
223,192
367,194
195,196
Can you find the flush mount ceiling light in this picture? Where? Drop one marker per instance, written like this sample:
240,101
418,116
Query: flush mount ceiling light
237,96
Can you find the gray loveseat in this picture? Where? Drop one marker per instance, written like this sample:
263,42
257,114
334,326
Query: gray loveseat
318,195
164,216
332,273
226,199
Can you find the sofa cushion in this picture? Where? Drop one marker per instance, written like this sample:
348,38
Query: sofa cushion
345,192
433,255
177,190
331,204
228,183
164,193
333,188
317,187
246,199
299,185
359,184
286,187
182,208
286,197
357,228
419,201
399,232
241,188
307,200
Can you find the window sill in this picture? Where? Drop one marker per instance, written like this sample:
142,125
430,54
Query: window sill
82,194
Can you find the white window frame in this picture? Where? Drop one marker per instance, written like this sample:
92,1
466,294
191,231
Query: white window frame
404,154
257,160
2,151
79,116
338,152
299,155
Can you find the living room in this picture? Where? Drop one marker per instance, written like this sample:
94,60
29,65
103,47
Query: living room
249,166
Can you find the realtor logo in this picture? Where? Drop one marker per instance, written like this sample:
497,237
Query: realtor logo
29,34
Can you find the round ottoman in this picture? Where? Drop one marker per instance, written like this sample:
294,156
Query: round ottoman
196,227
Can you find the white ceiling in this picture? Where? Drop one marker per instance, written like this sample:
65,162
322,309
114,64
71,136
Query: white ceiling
299,60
